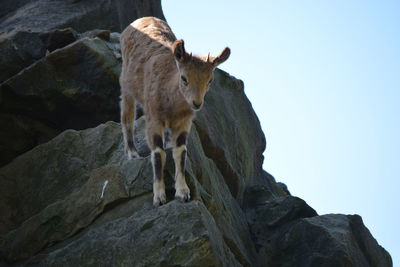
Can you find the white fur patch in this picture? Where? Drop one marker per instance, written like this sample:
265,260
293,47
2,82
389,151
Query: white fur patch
177,152
182,190
159,197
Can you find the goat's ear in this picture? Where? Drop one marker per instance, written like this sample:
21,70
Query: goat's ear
221,57
178,49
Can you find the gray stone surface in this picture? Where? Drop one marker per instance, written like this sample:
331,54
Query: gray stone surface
77,200
72,87
64,206
328,240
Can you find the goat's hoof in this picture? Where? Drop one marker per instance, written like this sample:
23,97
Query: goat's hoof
159,199
182,194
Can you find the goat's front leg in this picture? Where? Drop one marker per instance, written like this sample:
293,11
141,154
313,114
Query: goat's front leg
179,153
158,160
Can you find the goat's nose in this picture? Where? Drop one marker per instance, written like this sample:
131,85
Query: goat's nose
196,105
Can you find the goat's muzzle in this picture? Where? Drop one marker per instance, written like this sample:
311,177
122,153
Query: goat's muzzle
196,106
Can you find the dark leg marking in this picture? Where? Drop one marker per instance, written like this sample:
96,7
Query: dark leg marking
157,165
157,141
181,140
183,158
131,145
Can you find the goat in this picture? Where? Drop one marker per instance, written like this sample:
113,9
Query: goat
170,85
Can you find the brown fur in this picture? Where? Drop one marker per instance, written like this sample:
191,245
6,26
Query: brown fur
169,83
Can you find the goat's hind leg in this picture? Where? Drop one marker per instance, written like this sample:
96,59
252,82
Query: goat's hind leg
128,125
154,133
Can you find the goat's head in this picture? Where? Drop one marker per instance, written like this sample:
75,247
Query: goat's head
195,73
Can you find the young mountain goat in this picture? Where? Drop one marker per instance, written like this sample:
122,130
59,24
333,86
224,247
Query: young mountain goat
170,84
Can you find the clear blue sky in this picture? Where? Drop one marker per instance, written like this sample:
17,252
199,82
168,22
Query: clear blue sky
324,80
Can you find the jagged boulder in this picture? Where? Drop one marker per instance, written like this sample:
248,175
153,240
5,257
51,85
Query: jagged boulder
24,25
73,87
66,177
70,88
129,10
239,122
77,200
19,51
147,237
328,240
82,15
29,30
67,199
288,232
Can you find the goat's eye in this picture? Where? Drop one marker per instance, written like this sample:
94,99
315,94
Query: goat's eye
185,81
210,81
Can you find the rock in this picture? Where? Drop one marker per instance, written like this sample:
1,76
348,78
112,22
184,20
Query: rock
277,212
265,190
373,252
8,6
102,34
21,49
77,200
51,172
149,237
241,163
65,217
30,30
99,210
23,23
19,133
58,38
47,15
129,10
18,51
55,217
73,87
285,225
328,240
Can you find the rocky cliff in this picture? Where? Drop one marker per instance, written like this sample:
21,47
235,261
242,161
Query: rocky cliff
70,197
